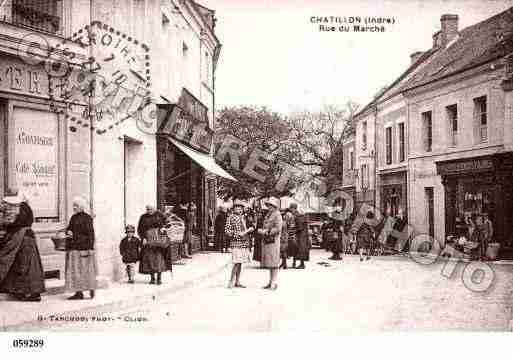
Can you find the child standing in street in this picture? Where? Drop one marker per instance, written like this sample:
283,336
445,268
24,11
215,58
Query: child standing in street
130,249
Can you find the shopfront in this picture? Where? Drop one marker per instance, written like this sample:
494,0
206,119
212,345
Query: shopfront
480,186
185,168
393,193
42,158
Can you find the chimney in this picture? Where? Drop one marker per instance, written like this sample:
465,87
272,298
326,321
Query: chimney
415,56
437,39
449,25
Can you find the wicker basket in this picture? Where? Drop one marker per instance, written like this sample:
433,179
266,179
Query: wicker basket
59,242
175,231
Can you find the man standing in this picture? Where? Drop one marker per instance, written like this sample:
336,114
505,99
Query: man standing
220,224
337,225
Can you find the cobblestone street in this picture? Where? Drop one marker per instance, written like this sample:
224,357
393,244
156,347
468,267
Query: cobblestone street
382,294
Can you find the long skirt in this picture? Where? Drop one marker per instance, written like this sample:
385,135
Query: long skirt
241,255
303,247
152,260
291,248
26,274
271,254
257,251
81,270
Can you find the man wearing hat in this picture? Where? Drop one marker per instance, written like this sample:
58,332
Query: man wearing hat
238,232
271,232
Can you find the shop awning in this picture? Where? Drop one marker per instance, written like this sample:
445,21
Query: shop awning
204,160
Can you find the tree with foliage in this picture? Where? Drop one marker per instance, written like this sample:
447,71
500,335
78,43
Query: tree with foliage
258,129
316,139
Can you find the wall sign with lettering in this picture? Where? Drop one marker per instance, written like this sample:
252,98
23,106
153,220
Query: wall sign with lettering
465,166
36,148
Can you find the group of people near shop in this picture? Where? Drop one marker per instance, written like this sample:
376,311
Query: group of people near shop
363,234
21,270
273,235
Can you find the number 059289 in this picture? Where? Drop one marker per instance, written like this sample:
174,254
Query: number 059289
28,343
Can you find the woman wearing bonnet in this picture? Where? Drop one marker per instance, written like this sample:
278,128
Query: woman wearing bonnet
21,271
80,265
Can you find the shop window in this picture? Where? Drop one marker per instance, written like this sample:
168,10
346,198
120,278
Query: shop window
427,123
388,144
364,135
402,150
481,117
452,116
42,15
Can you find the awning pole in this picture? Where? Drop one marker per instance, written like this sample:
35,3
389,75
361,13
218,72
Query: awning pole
180,175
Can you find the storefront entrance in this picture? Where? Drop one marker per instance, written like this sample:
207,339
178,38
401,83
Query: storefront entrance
393,193
480,187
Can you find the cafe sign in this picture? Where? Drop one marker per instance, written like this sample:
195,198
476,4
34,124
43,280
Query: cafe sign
187,122
36,160
461,167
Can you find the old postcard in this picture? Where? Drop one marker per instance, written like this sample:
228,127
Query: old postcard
223,166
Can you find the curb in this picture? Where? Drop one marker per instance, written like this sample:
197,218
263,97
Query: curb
116,305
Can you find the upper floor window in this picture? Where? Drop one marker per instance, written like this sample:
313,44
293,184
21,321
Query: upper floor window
481,117
42,15
427,124
208,70
364,174
402,140
364,135
351,159
388,144
452,116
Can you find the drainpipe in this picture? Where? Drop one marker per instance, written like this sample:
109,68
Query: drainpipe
375,155
91,136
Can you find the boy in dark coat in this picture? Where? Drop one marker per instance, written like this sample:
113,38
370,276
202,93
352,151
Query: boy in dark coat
130,249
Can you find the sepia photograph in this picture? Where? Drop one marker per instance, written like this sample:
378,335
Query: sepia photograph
255,167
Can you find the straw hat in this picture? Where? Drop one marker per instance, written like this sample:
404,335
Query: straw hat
273,201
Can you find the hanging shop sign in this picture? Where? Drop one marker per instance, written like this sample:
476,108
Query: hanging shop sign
187,122
36,159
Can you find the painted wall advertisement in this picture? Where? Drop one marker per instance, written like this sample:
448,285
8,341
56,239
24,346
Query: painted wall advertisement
36,160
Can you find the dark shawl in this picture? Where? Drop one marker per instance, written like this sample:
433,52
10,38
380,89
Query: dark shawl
81,224
149,221
21,270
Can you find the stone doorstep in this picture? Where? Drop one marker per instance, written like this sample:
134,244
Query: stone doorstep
56,286
139,299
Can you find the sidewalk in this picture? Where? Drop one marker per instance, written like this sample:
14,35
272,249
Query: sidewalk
15,315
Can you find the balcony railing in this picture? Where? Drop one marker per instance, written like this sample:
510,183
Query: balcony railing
41,15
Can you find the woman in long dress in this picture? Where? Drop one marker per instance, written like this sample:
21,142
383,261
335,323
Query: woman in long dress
271,233
284,243
302,238
80,264
238,232
257,237
153,259
21,271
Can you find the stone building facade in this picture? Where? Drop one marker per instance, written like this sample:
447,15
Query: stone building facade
454,159
169,48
